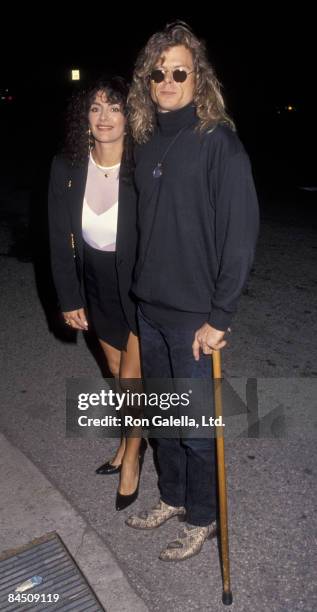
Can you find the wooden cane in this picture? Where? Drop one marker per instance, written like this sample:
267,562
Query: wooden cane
222,485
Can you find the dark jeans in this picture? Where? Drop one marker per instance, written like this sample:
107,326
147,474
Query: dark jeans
187,473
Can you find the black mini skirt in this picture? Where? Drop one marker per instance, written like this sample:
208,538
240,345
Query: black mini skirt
103,299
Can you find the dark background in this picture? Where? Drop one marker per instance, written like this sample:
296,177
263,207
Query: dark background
265,62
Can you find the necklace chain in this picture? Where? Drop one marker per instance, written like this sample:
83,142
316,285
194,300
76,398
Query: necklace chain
106,170
158,171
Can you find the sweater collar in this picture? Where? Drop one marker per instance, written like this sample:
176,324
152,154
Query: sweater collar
171,122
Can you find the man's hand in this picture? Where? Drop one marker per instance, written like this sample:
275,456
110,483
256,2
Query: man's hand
207,338
76,319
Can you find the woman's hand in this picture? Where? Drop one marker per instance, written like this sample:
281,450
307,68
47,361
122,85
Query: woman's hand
76,319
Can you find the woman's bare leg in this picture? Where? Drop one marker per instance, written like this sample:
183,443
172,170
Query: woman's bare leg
130,367
113,358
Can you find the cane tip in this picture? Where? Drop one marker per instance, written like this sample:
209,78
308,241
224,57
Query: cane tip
227,598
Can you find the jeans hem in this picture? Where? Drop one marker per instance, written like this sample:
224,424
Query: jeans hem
199,522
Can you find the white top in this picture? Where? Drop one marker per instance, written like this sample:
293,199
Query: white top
100,207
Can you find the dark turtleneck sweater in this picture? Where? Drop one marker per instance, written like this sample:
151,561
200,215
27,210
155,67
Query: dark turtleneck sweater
198,222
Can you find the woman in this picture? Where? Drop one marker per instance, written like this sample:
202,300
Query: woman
92,221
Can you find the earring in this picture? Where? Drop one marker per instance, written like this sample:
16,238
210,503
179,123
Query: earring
90,141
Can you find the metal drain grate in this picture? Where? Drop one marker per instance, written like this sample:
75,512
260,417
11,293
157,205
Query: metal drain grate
63,588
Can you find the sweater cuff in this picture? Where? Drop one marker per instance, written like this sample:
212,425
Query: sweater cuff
220,319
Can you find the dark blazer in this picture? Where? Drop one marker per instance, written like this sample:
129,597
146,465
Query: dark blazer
65,202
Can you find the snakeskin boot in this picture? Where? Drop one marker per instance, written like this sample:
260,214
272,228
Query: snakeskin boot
157,516
189,542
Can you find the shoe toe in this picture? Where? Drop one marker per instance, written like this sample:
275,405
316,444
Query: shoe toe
108,468
166,555
132,521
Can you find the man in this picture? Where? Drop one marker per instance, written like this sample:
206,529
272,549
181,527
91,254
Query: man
198,222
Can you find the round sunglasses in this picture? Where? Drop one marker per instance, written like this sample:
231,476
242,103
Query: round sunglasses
179,75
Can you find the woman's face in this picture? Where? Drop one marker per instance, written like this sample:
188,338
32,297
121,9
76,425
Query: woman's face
106,120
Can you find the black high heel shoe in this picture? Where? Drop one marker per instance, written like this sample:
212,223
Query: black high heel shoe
123,501
108,468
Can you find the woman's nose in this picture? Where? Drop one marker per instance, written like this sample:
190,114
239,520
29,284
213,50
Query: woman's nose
105,112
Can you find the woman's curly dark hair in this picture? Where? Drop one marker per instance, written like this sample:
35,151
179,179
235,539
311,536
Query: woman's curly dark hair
77,143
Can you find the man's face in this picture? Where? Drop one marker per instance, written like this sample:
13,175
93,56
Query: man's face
170,95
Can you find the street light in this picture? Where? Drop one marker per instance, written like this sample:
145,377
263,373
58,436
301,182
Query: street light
76,75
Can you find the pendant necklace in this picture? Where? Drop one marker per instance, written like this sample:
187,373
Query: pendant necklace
107,171
158,170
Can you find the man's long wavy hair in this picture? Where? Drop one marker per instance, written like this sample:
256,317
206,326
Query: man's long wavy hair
77,143
208,99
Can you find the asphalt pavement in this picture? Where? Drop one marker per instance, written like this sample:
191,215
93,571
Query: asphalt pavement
48,480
